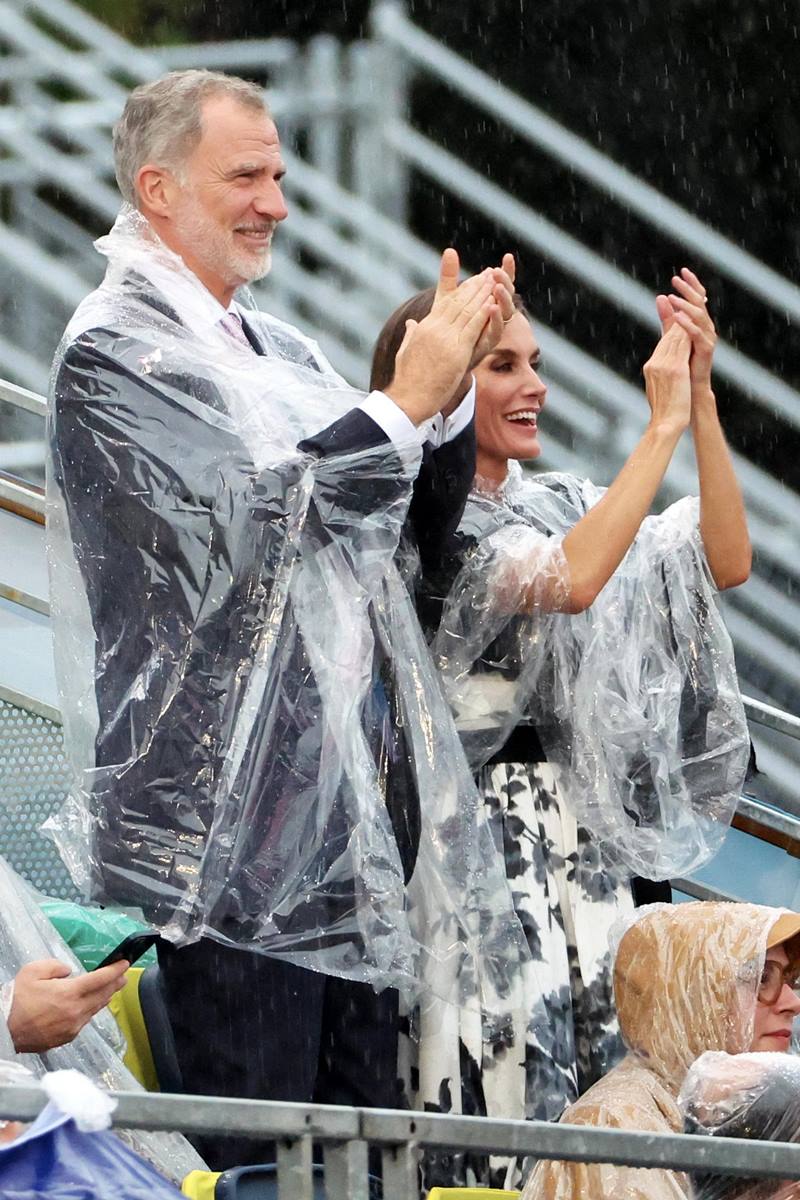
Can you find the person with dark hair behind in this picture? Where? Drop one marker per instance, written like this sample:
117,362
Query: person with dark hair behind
744,1096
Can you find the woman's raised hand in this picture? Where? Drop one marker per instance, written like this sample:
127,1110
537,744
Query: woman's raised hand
504,276
689,310
667,380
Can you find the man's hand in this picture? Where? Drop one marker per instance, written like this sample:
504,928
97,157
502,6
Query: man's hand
437,352
50,1007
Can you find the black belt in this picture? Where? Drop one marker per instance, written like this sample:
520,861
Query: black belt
522,745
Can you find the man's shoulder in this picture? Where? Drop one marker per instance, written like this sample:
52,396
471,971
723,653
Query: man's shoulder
132,312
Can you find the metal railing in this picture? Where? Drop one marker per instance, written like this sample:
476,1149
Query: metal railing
346,1135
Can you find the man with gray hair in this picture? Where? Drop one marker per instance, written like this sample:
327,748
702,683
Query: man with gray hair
254,725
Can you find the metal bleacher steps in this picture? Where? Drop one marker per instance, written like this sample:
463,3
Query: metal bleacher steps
342,261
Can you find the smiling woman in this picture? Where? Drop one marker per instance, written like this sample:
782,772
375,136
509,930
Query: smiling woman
593,686
511,397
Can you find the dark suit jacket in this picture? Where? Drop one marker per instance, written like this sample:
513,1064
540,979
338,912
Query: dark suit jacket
186,556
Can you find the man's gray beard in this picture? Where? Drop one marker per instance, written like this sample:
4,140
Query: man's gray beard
219,252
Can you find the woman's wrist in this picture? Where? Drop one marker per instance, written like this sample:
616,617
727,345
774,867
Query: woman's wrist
703,392
666,429
704,404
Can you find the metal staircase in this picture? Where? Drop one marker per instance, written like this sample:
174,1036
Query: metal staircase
346,257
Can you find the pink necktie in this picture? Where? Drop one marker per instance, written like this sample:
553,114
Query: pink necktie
232,324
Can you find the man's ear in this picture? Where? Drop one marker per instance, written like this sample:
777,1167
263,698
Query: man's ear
155,187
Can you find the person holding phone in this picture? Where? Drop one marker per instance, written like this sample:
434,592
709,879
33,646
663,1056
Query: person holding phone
46,1006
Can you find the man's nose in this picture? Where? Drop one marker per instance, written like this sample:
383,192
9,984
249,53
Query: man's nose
270,202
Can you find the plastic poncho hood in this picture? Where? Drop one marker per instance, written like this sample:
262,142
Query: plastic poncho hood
636,700
685,981
250,709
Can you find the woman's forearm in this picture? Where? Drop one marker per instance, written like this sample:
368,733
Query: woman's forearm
596,546
723,521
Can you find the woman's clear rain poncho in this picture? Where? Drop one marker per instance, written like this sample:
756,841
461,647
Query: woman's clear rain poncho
686,980
250,707
635,700
743,1096
27,936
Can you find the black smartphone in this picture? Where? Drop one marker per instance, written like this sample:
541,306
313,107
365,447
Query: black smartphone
133,947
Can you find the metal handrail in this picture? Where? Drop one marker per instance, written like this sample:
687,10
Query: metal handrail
771,717
346,1132
21,497
20,397
532,123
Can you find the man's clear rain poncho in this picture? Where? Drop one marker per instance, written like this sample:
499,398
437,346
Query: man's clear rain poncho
250,709
635,700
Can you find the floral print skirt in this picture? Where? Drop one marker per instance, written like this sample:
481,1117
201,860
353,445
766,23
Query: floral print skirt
560,1035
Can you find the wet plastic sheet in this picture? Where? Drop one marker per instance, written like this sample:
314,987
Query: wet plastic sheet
635,699
54,1160
743,1096
245,690
27,936
686,978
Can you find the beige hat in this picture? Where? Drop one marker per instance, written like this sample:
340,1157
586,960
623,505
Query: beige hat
787,926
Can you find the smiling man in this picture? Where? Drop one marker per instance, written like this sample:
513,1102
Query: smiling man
262,757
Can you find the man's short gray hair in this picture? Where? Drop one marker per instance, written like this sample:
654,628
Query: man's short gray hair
162,121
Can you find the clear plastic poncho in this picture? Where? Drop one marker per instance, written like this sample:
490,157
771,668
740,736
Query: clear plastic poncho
743,1096
686,979
250,708
27,936
636,699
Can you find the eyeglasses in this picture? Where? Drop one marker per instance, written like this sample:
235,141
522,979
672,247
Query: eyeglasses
773,977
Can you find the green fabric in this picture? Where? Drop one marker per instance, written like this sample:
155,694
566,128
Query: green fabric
92,933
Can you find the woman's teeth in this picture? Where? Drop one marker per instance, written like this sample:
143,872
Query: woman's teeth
522,416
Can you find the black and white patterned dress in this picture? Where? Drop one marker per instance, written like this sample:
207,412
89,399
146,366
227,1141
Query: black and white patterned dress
561,1035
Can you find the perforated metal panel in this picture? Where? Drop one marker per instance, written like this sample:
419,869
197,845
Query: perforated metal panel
33,784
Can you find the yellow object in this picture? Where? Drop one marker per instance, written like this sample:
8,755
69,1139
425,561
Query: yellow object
200,1185
470,1194
127,1012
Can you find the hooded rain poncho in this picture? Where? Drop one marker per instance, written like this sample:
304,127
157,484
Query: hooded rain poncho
685,981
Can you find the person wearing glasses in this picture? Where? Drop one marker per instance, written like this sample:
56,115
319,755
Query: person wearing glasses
688,978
